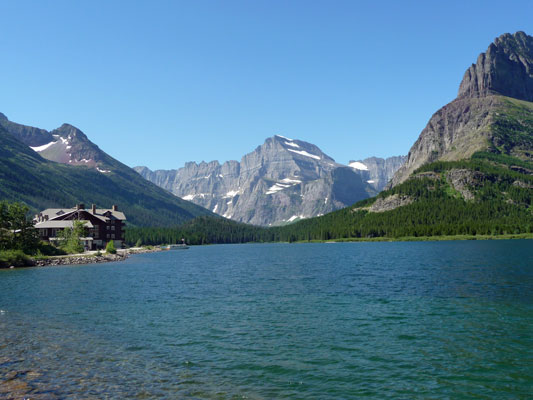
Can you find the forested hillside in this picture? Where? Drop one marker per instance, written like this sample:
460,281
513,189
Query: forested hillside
489,194
26,177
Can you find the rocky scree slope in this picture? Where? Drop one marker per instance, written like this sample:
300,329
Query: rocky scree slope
492,112
281,181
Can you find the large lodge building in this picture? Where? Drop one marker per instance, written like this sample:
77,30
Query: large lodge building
103,225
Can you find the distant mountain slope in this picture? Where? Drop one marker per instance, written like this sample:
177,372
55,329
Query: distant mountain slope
492,111
486,195
281,181
66,144
469,173
25,176
378,171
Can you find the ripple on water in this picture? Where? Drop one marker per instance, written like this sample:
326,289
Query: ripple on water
440,320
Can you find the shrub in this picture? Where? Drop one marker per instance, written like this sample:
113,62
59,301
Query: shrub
15,258
47,249
139,243
110,248
70,238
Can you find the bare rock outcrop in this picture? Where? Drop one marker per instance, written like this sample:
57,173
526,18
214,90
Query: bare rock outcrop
455,132
506,68
281,181
465,125
463,180
390,203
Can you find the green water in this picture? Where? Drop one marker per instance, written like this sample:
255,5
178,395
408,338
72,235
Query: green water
322,321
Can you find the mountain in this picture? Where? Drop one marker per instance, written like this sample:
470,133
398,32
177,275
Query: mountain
492,111
281,181
40,183
488,195
470,172
378,171
66,144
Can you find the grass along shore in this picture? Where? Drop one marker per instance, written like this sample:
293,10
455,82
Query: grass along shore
425,238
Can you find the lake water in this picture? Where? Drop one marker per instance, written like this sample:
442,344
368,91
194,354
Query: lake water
315,321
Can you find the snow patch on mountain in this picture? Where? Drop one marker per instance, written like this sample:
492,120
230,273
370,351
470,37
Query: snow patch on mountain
292,144
295,217
276,188
285,183
358,165
43,147
231,193
286,138
305,153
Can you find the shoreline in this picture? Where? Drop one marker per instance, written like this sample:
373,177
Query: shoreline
511,236
121,255
82,258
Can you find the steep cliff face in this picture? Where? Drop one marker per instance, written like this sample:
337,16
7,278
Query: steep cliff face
506,69
491,113
281,181
378,171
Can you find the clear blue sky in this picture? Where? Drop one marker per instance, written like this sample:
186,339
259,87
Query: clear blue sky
159,83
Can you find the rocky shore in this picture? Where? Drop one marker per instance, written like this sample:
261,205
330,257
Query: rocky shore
94,258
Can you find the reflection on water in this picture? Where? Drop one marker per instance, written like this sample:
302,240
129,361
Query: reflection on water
399,320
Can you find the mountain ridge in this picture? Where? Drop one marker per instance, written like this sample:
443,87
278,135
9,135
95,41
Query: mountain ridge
280,181
470,123
40,183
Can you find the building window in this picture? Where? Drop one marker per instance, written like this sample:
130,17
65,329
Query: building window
112,236
112,227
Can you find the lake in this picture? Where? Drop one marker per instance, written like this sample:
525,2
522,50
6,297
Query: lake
407,320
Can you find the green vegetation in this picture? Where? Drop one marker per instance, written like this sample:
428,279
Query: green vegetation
27,177
15,258
16,230
17,235
110,248
513,128
70,238
502,204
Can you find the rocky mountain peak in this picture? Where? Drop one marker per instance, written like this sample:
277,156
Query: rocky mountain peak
480,118
506,68
297,148
3,117
66,144
67,130
281,181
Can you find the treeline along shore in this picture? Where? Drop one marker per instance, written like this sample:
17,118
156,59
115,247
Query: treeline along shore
487,196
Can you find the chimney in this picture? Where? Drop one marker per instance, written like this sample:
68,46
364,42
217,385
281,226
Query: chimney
93,208
114,208
80,206
46,217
